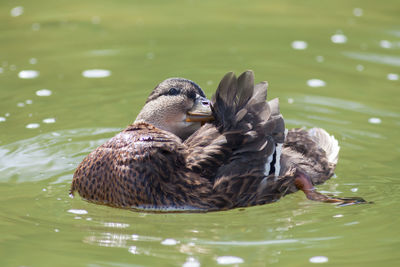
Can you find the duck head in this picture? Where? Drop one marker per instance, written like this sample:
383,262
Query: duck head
176,105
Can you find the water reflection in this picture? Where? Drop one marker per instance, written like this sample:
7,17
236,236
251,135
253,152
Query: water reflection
28,74
318,259
49,120
43,92
316,83
17,11
339,38
393,77
299,45
358,12
96,73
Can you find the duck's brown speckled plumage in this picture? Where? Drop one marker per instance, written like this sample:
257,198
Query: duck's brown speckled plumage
221,166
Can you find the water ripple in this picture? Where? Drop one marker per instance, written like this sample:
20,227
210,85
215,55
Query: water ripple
50,154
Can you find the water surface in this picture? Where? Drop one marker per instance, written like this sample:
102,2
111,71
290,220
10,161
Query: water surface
74,73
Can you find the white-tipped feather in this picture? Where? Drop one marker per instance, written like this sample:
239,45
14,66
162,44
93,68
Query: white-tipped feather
327,142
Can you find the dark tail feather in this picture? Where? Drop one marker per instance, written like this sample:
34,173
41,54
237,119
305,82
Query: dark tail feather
251,125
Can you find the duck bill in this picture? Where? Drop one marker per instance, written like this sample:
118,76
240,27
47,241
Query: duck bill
200,112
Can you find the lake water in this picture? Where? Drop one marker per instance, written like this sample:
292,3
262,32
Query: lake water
74,73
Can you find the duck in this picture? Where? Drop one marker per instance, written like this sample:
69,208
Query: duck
186,153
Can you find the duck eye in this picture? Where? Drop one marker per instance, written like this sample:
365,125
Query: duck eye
173,91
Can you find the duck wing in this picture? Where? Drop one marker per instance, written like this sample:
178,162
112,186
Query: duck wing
241,118
235,151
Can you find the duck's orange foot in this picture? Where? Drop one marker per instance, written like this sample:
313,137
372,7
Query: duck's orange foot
304,184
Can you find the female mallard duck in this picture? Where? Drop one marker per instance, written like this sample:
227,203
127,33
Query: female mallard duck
167,161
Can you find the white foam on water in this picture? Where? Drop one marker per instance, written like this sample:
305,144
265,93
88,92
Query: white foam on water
28,74
96,73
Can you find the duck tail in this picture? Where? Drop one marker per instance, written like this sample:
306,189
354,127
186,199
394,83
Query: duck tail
326,142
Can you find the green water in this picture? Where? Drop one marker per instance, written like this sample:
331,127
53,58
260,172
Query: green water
144,42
